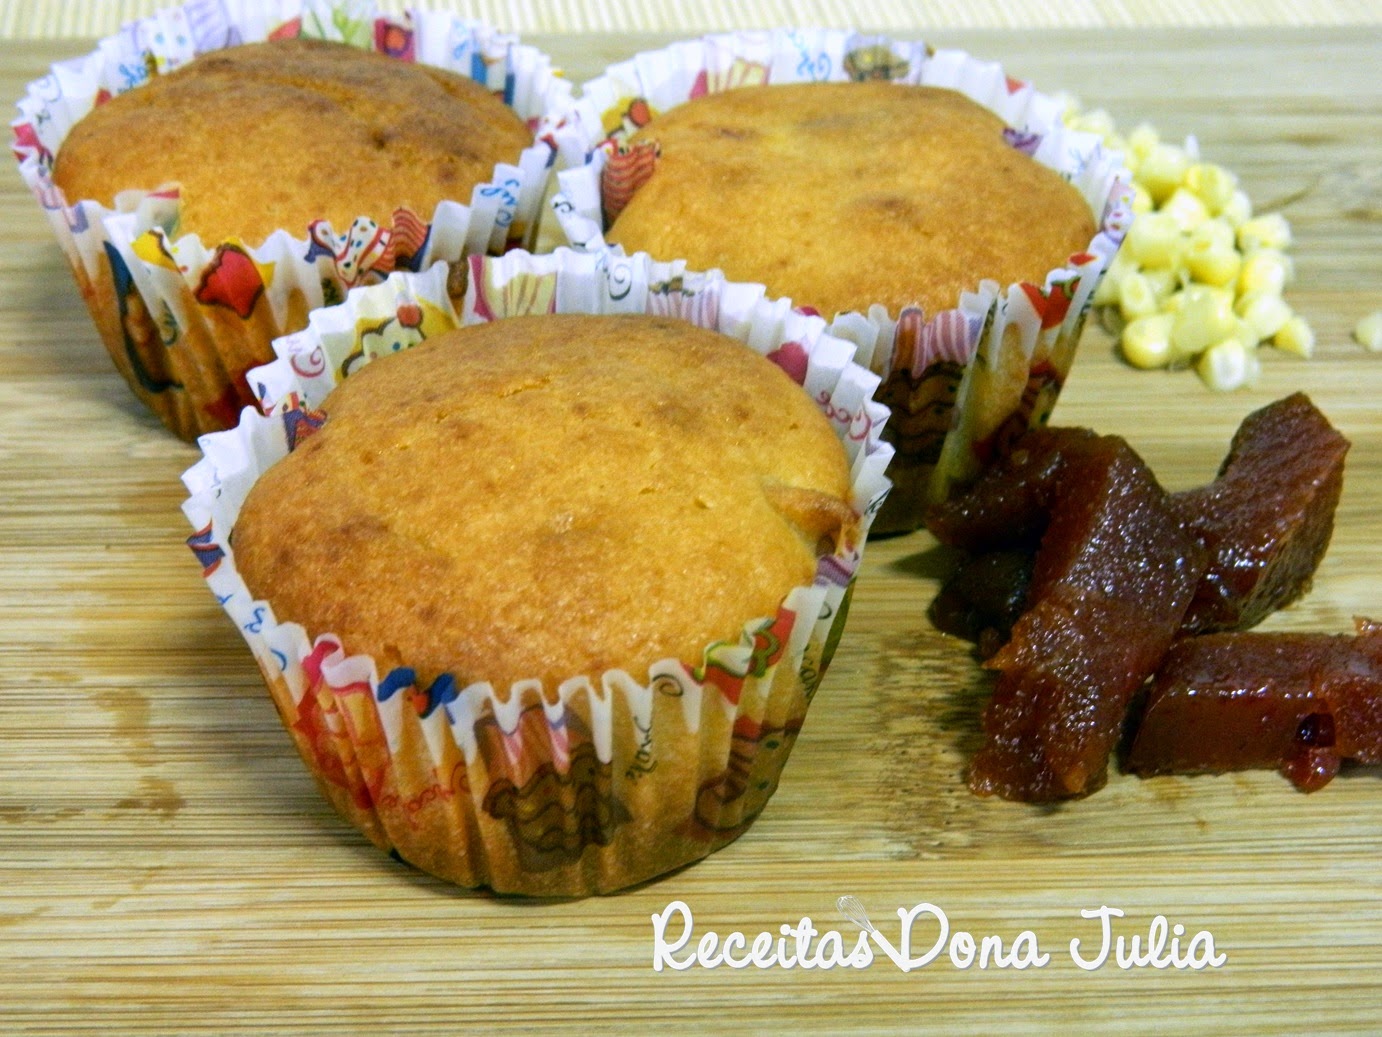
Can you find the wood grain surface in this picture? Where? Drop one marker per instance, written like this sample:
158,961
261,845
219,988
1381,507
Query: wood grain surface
167,866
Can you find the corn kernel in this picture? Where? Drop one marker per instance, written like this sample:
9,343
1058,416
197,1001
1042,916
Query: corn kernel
1215,233
1237,210
1265,311
1106,294
1254,366
1162,169
1269,231
1227,365
1186,209
1136,297
1163,282
1174,302
1141,200
1213,265
1142,140
1155,241
1204,318
1096,121
1147,341
1368,332
1246,334
1295,336
1111,320
1265,270
1212,184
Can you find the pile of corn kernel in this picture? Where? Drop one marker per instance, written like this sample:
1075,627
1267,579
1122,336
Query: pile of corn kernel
1199,278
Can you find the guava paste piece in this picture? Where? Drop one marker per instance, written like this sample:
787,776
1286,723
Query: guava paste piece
1302,703
1112,576
1267,519
981,601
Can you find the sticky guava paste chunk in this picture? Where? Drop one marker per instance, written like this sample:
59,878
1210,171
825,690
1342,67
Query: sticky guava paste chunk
1112,576
1302,703
1268,517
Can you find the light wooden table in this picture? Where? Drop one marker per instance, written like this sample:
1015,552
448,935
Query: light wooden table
166,865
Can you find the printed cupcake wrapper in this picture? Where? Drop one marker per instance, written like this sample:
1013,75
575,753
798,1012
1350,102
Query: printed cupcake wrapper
599,782
183,319
962,383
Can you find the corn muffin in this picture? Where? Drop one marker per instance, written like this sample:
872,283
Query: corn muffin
506,512
345,151
843,195
290,131
930,208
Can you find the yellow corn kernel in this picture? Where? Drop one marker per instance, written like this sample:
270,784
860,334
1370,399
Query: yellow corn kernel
1212,184
1246,334
1146,341
1111,320
1161,170
1368,332
1155,240
1208,264
1269,231
1215,233
1175,302
1295,336
1136,297
1095,121
1265,311
1142,140
1106,294
1186,209
1265,270
1227,365
1237,210
1141,200
1205,317
1163,282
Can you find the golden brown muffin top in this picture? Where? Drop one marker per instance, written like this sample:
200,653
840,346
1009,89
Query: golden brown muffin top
546,497
276,134
840,195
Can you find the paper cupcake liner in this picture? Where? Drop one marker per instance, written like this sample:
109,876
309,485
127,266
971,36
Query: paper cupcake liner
961,383
182,319
599,782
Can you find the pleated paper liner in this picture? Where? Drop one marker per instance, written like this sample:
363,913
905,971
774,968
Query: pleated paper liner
184,319
961,383
603,780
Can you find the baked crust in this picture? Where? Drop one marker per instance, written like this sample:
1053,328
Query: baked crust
273,135
549,497
840,195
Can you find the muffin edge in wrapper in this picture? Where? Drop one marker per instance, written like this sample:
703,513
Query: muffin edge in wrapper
962,383
648,772
184,320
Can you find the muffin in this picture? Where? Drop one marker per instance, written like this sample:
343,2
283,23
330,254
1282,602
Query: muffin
952,198
543,599
207,209
934,209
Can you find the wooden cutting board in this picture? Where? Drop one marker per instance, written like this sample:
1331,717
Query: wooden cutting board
166,865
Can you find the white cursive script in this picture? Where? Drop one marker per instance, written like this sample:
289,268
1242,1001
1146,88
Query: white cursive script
924,936
1130,954
793,948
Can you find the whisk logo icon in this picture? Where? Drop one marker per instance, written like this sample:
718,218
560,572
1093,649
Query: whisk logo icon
964,949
